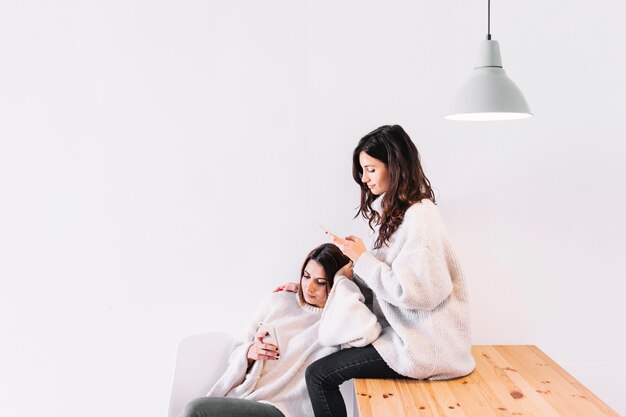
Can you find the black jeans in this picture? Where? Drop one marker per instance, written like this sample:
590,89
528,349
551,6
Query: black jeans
324,376
228,407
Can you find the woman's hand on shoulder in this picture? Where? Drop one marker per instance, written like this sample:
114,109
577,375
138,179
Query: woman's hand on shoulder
352,246
290,287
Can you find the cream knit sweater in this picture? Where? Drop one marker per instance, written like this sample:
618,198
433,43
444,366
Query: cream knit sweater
305,334
415,286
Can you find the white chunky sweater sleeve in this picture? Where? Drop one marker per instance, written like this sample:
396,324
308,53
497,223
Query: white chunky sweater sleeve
237,375
346,321
417,278
420,285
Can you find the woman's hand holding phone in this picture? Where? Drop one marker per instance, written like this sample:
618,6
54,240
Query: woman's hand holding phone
260,351
352,246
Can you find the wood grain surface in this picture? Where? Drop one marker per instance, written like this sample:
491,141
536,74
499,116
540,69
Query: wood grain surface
508,381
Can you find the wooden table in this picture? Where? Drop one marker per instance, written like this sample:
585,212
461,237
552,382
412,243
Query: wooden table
508,381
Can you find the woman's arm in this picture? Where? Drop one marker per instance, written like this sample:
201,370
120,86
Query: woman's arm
346,321
418,278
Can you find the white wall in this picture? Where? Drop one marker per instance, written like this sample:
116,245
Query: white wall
162,163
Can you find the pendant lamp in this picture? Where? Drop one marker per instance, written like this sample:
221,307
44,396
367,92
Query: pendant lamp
489,94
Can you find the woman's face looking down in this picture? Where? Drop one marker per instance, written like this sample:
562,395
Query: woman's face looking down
313,284
375,174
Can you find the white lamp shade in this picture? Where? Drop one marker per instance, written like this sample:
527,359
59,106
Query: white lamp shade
489,94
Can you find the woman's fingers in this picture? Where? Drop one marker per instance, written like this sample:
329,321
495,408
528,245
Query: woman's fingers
337,240
352,246
290,286
268,346
347,242
267,358
268,352
264,351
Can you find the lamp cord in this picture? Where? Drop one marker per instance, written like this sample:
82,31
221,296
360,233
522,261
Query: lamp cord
488,20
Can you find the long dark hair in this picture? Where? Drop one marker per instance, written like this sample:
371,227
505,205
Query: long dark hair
407,182
332,260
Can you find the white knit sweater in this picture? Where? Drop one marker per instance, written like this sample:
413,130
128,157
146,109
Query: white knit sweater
415,286
305,334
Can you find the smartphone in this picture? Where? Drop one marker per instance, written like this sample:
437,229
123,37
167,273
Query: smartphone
271,338
327,231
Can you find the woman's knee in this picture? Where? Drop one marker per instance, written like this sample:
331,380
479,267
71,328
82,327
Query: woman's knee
322,373
192,408
312,374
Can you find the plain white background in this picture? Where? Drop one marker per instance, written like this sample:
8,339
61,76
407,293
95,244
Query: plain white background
162,164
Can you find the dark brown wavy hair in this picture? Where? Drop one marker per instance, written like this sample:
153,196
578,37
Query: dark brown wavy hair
332,260
407,182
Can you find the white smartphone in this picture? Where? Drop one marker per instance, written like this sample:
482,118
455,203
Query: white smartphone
327,231
271,337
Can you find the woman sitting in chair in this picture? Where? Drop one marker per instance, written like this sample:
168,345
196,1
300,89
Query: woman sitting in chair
326,314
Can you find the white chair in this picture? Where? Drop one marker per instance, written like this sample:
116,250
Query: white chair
200,361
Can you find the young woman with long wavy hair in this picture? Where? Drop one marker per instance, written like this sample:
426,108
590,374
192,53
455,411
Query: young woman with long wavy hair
411,278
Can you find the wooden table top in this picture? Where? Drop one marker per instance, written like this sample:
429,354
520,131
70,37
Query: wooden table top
508,381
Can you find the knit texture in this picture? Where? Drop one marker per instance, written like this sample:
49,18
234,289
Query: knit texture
415,287
281,382
346,320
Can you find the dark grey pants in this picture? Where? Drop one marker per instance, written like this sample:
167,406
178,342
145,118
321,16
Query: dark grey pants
324,376
228,407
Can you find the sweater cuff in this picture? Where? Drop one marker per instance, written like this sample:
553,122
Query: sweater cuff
365,265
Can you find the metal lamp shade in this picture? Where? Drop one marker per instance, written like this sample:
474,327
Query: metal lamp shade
489,94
